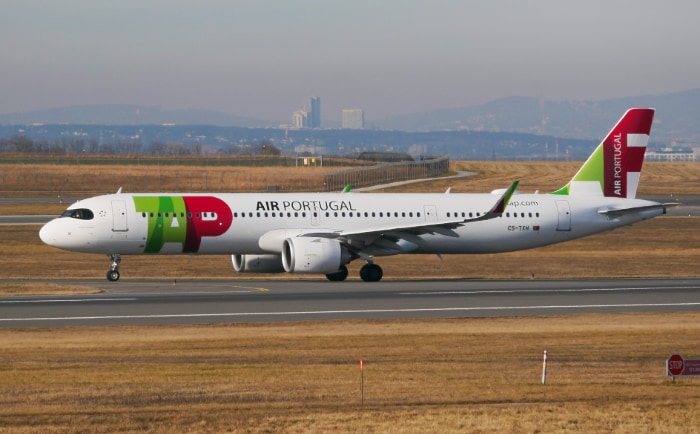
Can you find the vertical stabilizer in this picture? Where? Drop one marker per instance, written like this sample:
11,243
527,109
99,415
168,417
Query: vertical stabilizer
614,167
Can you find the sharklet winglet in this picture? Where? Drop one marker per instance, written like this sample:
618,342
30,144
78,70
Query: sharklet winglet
500,206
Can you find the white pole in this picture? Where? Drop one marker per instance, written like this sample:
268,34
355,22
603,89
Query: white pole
544,368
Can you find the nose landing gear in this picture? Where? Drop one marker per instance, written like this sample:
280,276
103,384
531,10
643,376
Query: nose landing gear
113,273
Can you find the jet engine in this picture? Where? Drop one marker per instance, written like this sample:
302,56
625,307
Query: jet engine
313,255
257,263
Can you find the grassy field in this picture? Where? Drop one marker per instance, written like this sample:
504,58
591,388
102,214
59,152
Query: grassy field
606,372
52,180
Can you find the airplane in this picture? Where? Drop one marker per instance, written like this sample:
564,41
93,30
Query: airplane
320,233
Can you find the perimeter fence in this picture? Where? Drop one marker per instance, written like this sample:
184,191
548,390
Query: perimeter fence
386,173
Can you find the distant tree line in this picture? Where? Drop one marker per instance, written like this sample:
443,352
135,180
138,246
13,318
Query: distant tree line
25,145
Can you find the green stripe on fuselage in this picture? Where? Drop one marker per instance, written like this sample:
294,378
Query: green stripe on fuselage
167,221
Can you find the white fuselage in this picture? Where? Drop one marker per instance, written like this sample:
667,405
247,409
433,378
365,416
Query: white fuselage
245,223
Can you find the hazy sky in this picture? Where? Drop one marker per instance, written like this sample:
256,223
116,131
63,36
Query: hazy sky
260,58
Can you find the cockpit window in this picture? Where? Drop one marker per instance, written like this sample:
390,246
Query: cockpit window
80,214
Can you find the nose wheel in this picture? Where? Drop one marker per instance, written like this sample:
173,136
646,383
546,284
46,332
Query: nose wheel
113,273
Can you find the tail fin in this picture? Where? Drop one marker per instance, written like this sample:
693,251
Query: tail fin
614,167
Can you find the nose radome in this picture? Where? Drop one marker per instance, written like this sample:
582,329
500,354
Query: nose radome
46,234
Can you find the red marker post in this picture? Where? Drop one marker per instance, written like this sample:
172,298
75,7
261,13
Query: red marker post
362,380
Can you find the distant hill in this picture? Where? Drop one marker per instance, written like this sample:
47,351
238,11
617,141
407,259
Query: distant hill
123,114
677,117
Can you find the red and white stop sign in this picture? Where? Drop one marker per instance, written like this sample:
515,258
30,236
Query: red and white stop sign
675,364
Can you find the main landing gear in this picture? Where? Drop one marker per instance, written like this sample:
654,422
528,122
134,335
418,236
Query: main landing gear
339,275
113,273
370,272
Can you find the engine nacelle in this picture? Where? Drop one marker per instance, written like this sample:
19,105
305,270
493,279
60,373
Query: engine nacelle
257,263
313,255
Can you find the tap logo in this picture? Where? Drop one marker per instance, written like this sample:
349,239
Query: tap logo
182,219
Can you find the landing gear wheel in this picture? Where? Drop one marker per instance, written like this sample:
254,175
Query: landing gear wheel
371,273
113,273
339,275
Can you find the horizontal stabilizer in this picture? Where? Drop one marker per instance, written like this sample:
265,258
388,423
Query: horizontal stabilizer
614,213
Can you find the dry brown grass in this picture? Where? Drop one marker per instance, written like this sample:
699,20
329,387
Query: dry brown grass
658,179
605,374
18,288
46,180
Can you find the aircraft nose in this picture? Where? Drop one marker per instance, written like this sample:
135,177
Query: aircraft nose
46,234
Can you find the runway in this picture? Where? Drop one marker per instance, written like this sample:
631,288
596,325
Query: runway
140,302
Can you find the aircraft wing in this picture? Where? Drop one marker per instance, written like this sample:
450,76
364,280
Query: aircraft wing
614,213
401,238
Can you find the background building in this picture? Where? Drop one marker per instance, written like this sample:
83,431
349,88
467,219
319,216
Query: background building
312,106
300,119
353,119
